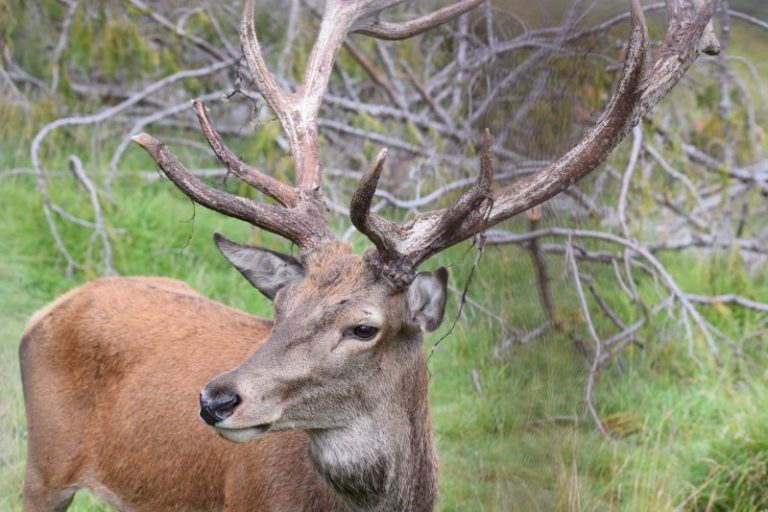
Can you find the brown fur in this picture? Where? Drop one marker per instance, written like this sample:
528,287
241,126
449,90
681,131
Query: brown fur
111,375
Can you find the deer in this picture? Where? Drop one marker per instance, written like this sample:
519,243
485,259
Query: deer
324,407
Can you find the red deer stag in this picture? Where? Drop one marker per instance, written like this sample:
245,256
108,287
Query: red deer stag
338,380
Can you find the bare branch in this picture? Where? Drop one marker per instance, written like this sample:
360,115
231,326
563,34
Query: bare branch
199,42
404,30
729,299
495,237
62,43
106,247
637,144
598,344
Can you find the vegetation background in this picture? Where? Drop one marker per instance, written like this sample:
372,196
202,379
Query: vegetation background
685,433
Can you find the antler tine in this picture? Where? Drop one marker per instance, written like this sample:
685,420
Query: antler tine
471,200
298,111
249,45
637,93
640,89
616,121
394,244
303,219
675,18
299,228
379,231
273,188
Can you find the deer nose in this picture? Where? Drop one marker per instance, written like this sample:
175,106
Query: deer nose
217,406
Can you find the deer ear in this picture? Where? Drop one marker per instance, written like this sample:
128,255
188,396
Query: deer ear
268,271
426,298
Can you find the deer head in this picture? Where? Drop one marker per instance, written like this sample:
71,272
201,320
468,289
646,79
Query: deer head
342,334
348,328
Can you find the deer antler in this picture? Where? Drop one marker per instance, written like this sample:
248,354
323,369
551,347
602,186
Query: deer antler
302,216
304,224
400,249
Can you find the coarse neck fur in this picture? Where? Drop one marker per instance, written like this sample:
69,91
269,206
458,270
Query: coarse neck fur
385,459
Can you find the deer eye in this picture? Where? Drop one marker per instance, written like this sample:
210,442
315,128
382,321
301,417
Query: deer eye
365,332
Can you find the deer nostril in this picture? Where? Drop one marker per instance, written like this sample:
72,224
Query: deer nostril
218,407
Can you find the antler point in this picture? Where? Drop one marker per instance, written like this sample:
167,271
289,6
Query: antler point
145,140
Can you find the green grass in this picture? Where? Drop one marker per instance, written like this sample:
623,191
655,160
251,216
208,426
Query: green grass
510,445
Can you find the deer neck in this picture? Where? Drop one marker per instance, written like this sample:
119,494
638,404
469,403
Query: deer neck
385,459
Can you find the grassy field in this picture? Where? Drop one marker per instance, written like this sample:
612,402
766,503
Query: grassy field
517,439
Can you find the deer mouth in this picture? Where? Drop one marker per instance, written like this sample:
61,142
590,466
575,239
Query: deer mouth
245,434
